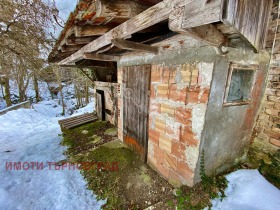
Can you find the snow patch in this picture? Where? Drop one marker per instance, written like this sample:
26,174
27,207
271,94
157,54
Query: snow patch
248,190
31,135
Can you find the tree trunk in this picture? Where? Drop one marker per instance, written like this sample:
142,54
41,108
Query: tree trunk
62,99
51,92
20,83
36,88
86,94
7,92
57,72
2,90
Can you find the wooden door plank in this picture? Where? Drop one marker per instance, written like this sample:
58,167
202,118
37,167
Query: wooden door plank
135,108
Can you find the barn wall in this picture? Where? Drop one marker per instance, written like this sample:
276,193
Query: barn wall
179,109
268,125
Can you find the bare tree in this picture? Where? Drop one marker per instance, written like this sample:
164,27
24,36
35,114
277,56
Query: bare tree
24,41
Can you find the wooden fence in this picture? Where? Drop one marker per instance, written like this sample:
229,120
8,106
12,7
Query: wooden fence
25,104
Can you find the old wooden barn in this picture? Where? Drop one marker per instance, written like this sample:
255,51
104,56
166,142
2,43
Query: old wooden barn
181,79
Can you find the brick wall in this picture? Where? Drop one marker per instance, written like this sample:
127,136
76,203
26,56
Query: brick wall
268,123
179,95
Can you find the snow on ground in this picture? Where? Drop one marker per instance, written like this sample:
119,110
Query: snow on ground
248,190
87,109
31,135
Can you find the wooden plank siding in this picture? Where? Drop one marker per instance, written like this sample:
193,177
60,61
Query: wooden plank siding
136,82
250,18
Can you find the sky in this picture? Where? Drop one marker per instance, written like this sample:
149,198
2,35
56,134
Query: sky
65,7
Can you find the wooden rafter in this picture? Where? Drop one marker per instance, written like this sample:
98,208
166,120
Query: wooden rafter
129,45
85,74
79,40
89,30
149,17
100,57
205,33
192,18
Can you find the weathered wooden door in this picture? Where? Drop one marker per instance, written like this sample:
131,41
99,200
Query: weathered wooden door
136,84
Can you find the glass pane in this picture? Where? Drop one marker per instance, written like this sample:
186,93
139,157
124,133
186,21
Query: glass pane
240,85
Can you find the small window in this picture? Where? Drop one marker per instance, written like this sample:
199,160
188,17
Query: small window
239,85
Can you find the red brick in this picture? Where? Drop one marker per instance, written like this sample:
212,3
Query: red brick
165,143
169,130
194,80
177,95
160,125
162,91
205,95
152,161
155,107
275,142
174,131
154,136
156,73
163,170
178,150
165,108
192,96
186,72
173,176
151,119
159,154
170,160
152,90
187,136
272,134
168,75
183,115
184,170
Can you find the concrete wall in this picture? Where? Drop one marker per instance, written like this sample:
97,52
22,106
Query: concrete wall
182,122
227,131
25,105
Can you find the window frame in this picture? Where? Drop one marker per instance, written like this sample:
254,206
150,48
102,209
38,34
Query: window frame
232,66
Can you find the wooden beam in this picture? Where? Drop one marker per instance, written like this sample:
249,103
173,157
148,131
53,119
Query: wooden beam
70,48
208,34
100,57
80,40
90,30
149,17
86,75
69,66
129,45
201,12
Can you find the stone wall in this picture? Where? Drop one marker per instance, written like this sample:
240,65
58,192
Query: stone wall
268,123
